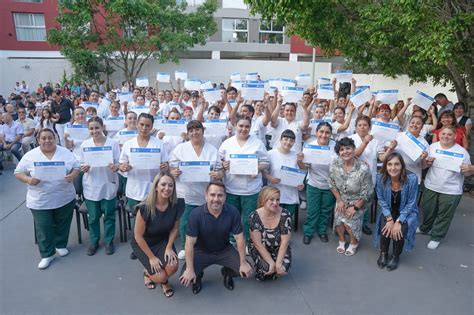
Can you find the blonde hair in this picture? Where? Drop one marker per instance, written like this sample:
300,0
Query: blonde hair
265,194
150,201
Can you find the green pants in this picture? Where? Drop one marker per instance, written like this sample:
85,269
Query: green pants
438,211
246,205
96,209
291,208
52,228
183,222
132,204
320,204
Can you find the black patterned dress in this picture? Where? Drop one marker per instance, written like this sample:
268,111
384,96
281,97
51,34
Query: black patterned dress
271,239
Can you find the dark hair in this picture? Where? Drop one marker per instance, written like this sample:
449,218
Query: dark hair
230,89
194,124
447,113
288,133
324,124
344,142
459,104
147,116
215,183
341,108
214,108
384,172
365,118
291,104
31,106
241,117
45,130
440,95
250,108
96,119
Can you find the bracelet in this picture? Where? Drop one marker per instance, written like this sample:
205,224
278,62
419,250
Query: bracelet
389,220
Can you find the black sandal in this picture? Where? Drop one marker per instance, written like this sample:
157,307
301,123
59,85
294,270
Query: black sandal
149,285
168,293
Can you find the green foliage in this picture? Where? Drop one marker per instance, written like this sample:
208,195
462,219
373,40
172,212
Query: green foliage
98,34
421,38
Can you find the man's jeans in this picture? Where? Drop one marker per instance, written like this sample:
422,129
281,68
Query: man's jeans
14,148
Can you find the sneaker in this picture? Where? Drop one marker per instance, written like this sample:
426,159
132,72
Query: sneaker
62,251
44,263
433,244
302,205
182,254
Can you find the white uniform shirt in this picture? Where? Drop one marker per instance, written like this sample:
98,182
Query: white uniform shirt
288,195
318,174
412,166
258,129
243,185
339,135
194,192
76,148
284,124
369,155
100,182
139,181
48,195
445,181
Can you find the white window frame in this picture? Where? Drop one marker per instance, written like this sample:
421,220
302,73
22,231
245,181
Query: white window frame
31,18
234,30
271,31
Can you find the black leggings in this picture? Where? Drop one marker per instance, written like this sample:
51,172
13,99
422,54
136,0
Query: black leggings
385,241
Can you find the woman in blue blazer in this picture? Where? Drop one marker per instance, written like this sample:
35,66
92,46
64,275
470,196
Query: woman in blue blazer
396,190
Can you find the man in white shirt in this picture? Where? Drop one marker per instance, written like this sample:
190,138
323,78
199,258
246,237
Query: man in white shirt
28,125
10,136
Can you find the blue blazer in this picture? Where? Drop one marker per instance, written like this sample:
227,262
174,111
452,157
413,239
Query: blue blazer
409,212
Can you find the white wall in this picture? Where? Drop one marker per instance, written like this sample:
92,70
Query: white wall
36,71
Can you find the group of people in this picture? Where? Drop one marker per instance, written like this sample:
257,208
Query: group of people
227,176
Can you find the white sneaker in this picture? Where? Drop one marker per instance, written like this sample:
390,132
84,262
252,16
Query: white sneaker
44,263
302,205
182,254
418,231
62,251
433,244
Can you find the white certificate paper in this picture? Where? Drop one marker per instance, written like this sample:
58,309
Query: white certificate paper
303,79
361,96
194,171
114,123
49,171
98,156
182,75
163,77
387,96
145,158
125,97
243,164
325,92
253,92
78,132
216,127
279,83
212,95
448,160
237,84
192,85
126,135
86,105
410,145
142,82
313,123
251,76
235,76
292,94
290,176
344,76
317,154
173,127
422,100
206,85
384,131
322,81
139,109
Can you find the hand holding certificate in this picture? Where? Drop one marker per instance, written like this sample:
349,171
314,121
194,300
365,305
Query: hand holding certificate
194,171
145,158
317,154
410,145
448,160
243,164
216,127
98,156
126,135
384,131
291,176
49,171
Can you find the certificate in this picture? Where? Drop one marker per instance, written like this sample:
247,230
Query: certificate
253,92
290,176
114,123
243,164
145,158
360,97
303,79
387,96
163,77
325,92
232,103
206,85
78,132
235,76
448,160
317,154
216,127
104,104
86,105
192,85
98,156
422,100
125,97
174,127
126,135
212,95
313,123
49,171
279,83
182,75
139,109
384,131
322,81
142,82
194,171
292,94
237,84
251,76
344,76
410,145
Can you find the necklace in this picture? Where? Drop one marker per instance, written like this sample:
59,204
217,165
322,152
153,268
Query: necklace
395,196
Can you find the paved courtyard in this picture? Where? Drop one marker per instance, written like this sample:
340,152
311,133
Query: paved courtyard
320,281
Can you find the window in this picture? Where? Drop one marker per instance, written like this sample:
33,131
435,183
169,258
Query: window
234,4
192,3
271,33
235,30
30,27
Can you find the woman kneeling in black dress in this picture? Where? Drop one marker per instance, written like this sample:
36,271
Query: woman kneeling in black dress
156,229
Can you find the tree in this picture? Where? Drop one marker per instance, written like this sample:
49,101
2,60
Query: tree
98,34
429,39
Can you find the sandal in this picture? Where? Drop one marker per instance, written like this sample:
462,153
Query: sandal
168,293
351,250
341,249
150,285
